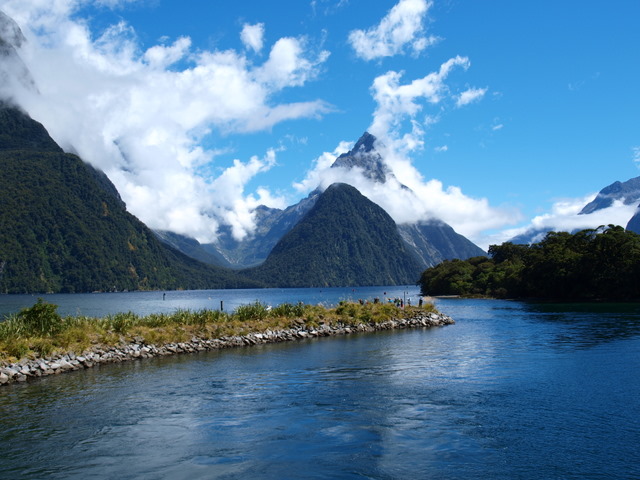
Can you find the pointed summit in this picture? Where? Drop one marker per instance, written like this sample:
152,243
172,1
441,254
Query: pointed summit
364,156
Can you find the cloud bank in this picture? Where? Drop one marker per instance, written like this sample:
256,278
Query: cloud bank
565,217
141,115
400,134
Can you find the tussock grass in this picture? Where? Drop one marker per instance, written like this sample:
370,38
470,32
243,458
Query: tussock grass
39,331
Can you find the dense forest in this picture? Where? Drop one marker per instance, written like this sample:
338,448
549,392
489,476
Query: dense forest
593,264
344,240
64,228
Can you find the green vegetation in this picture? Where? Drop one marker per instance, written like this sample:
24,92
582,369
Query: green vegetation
39,331
594,264
345,239
64,228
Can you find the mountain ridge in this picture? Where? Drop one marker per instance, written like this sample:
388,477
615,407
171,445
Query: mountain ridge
345,239
430,242
64,228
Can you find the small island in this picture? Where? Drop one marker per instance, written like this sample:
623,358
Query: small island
37,341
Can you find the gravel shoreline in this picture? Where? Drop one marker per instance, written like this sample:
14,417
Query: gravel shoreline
26,370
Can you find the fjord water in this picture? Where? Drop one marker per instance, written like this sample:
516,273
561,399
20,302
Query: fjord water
512,391
145,303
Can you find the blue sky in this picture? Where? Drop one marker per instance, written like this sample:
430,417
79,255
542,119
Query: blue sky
499,114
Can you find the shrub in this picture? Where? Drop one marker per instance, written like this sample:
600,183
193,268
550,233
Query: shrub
122,322
40,319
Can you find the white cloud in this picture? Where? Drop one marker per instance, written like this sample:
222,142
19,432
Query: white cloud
287,65
398,106
252,36
636,154
320,170
396,102
471,95
442,148
402,26
161,56
123,109
497,127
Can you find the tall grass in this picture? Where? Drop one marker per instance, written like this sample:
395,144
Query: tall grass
40,331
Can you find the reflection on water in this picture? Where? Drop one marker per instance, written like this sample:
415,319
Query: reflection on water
513,390
586,325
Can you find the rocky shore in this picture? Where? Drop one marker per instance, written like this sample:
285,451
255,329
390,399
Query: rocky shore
31,369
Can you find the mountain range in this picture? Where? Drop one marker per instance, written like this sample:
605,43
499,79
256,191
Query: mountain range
627,193
429,242
64,228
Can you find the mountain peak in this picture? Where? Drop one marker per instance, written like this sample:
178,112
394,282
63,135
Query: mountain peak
364,156
627,192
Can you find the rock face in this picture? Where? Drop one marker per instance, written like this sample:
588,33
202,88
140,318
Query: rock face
31,369
634,223
435,241
628,192
272,225
13,71
365,157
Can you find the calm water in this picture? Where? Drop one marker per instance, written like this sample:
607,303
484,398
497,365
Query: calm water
143,303
512,391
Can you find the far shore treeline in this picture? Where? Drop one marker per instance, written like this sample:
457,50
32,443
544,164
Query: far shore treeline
593,264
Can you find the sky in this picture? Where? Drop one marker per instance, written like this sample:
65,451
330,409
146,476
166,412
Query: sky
499,115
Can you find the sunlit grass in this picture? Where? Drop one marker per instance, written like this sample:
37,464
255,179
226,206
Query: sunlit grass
39,331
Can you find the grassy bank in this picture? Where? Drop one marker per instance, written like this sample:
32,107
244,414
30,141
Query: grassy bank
39,331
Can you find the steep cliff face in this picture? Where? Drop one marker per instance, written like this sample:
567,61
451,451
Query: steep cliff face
365,157
13,72
64,228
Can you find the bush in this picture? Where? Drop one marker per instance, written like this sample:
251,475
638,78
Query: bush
40,319
122,322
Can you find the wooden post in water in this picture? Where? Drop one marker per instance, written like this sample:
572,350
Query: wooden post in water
221,305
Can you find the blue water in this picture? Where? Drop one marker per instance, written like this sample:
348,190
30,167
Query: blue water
144,303
511,391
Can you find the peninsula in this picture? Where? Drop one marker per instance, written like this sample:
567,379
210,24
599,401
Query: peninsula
38,342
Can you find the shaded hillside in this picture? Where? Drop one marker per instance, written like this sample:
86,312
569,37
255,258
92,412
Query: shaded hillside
271,225
63,228
345,239
435,241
